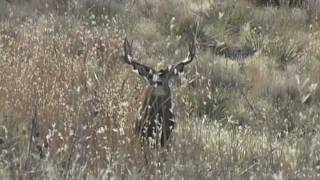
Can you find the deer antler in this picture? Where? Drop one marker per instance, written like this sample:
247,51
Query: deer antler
178,68
142,70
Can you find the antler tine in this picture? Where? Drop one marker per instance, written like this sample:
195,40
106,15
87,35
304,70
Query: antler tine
127,50
131,44
125,46
192,50
191,53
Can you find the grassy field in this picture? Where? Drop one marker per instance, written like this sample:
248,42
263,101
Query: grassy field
248,106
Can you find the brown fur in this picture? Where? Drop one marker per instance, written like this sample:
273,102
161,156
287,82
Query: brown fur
155,110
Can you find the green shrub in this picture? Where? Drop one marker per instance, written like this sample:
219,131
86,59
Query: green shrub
287,3
285,51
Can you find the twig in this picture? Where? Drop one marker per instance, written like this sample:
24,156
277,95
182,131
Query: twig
32,132
250,167
272,149
257,161
250,105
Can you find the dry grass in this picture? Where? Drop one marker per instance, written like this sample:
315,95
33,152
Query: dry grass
67,103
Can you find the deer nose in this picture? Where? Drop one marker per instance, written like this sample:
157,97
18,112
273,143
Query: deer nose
162,74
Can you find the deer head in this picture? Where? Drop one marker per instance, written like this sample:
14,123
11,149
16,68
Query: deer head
155,120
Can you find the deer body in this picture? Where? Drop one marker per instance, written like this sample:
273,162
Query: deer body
155,120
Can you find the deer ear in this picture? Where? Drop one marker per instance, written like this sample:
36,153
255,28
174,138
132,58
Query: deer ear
178,69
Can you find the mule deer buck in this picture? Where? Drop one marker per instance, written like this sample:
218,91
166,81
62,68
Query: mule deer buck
155,119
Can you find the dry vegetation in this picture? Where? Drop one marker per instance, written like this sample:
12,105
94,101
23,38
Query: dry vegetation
247,108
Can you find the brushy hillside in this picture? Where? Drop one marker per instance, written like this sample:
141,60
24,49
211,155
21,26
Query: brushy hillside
248,106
